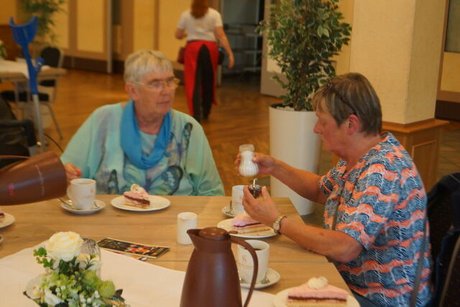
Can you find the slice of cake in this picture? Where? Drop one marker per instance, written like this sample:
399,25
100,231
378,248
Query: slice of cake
243,223
316,292
137,197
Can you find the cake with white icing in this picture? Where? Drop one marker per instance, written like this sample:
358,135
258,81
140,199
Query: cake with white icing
137,197
316,292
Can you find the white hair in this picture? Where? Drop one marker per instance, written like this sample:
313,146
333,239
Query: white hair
145,61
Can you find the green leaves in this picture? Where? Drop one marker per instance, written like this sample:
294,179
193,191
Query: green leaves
303,36
44,10
72,283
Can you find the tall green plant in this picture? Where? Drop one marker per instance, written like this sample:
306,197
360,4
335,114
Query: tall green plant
302,37
44,10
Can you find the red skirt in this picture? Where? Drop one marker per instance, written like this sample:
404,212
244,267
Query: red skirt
191,64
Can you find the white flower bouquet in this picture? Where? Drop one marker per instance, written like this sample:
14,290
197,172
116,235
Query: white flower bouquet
71,275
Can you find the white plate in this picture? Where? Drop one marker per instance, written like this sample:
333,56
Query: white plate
281,298
67,205
272,278
156,203
7,221
227,225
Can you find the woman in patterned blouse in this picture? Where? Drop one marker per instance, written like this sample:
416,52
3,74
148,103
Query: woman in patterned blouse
375,222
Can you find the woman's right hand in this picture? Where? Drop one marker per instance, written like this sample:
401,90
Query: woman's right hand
265,163
72,172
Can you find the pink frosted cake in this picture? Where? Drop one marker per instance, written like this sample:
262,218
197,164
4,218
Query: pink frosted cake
243,223
137,197
316,292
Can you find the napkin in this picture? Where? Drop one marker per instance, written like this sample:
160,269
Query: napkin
143,284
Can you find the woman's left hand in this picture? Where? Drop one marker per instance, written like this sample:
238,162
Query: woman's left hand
262,209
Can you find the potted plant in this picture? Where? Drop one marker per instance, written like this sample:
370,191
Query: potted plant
45,11
302,37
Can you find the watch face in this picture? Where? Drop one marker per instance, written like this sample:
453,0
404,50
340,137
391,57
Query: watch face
277,224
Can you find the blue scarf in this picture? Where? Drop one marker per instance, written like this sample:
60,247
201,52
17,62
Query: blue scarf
131,139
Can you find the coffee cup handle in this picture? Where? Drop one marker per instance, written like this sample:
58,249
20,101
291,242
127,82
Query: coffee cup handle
251,250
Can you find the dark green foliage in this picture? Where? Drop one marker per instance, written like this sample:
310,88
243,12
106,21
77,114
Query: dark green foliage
302,36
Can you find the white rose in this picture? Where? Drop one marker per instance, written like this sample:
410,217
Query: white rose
64,245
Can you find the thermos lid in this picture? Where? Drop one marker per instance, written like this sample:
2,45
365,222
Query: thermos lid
214,233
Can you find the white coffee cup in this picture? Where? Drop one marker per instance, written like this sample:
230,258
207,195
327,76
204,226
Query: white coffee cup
185,221
237,199
246,264
82,192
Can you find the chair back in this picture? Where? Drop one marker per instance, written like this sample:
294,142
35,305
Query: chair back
5,110
17,137
52,56
444,220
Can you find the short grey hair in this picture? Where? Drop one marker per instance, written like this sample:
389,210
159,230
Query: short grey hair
145,61
348,94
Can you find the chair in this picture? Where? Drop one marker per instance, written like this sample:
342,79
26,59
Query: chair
52,56
17,137
444,220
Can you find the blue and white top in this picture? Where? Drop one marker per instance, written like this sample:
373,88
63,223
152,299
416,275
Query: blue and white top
187,167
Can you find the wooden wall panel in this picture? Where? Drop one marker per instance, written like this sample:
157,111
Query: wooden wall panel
61,28
144,26
90,26
169,14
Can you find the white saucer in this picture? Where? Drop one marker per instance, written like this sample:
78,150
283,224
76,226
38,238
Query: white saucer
67,205
7,221
272,278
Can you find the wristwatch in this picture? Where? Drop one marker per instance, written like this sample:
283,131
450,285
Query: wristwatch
277,224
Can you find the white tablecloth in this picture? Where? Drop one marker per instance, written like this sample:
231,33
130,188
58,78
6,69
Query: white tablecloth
21,67
143,284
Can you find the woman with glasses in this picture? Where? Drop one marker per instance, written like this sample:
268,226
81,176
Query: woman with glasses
375,223
202,27
142,140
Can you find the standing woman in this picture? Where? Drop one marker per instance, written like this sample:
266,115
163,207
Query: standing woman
202,26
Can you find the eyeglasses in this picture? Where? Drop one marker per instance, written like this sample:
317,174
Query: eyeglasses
330,87
158,85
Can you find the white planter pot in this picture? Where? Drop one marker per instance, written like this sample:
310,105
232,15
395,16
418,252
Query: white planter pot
293,141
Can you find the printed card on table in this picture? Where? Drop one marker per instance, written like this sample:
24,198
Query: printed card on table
138,249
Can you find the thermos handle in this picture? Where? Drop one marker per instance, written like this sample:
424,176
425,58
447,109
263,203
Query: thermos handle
251,250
